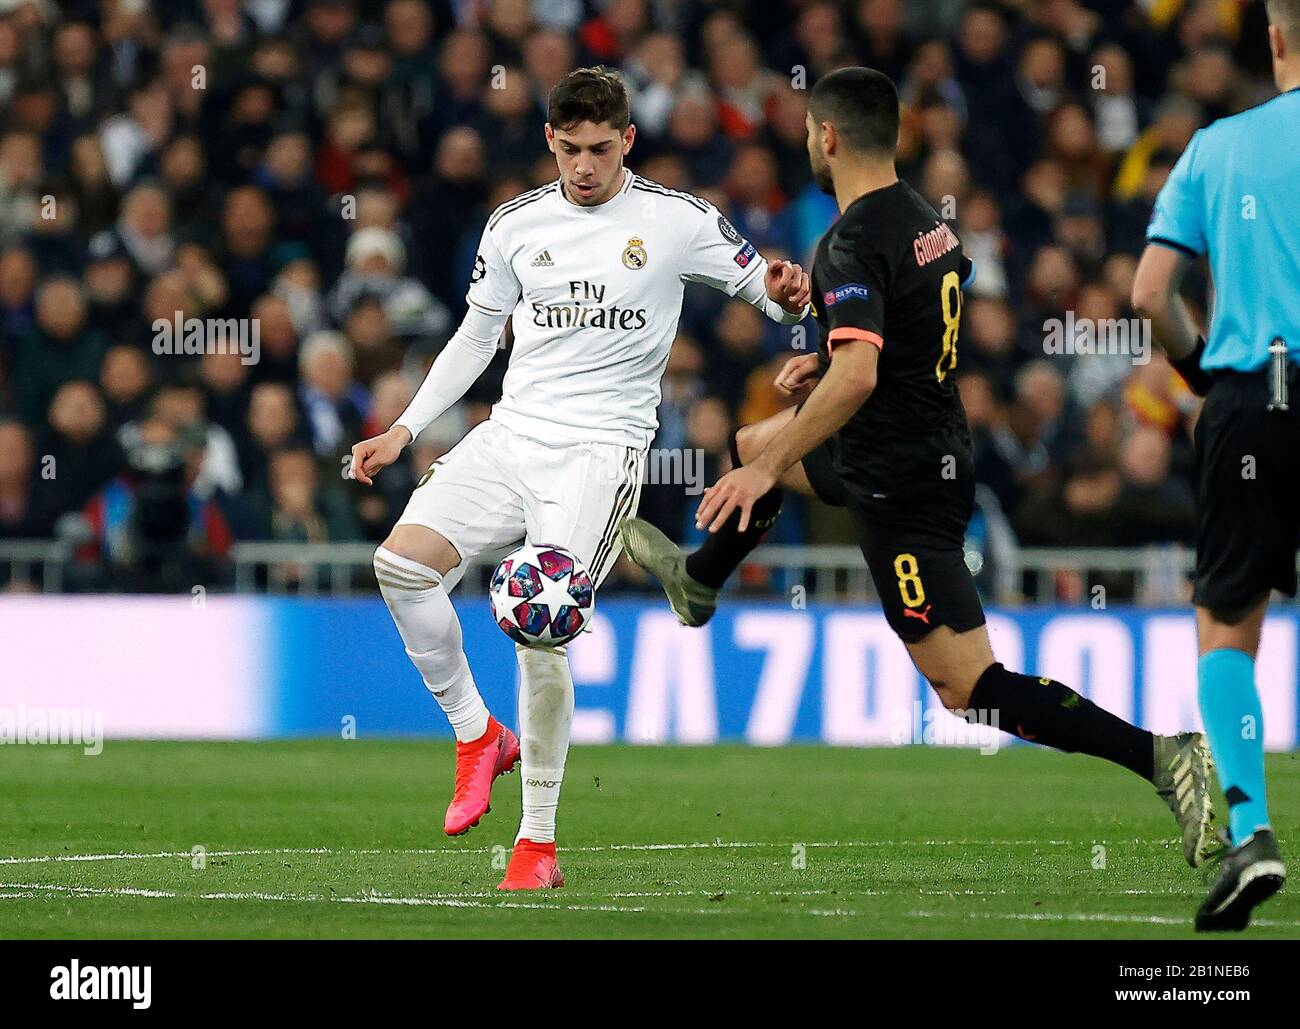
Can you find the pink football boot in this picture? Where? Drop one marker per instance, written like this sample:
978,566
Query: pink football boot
532,867
478,763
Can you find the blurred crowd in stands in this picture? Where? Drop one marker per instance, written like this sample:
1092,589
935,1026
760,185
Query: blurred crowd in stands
325,167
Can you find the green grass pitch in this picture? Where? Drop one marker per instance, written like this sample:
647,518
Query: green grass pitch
343,839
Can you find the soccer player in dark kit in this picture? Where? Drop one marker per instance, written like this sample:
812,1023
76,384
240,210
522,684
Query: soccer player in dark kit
881,430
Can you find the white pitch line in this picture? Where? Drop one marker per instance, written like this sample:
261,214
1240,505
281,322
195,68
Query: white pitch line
833,844
851,892
725,892
30,890
15,891
93,891
27,891
451,851
161,854
448,902
1088,917
440,900
483,900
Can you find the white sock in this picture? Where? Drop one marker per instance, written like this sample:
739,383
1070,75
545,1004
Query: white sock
428,626
545,718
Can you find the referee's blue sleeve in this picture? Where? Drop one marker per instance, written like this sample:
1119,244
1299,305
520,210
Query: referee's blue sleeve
1178,220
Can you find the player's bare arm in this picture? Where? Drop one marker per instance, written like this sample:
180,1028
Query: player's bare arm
841,391
1155,296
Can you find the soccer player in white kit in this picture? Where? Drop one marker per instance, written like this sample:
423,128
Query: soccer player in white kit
590,268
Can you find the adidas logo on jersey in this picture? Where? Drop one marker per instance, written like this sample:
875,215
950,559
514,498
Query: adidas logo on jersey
543,260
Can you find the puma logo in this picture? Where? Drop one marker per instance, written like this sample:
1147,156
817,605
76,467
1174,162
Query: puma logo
922,615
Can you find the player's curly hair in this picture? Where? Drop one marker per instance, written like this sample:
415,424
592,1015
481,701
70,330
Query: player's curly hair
589,94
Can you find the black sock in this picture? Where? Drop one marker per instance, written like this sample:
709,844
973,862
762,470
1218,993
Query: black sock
723,551
1048,712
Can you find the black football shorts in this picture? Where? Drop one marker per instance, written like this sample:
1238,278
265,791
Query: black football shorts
1248,494
910,513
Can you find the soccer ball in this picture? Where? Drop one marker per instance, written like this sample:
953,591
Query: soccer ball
542,595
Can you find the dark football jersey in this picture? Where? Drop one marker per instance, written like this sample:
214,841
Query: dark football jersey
891,270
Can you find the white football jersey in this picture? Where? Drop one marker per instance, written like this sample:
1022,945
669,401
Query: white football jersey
596,294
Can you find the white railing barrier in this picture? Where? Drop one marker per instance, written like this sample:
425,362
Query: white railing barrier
1008,575
34,564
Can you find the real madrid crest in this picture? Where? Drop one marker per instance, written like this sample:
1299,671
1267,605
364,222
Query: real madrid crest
634,256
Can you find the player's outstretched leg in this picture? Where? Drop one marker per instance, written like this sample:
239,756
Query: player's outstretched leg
1182,776
692,602
693,581
1252,871
963,671
545,723
431,632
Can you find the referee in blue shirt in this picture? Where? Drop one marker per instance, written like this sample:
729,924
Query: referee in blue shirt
1235,197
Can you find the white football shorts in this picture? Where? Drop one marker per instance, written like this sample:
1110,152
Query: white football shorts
495,489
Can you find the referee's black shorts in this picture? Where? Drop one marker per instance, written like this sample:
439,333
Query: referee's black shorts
1248,492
